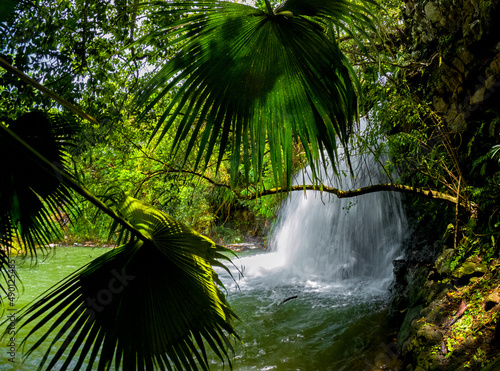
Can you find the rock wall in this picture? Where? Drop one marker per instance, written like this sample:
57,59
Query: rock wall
457,43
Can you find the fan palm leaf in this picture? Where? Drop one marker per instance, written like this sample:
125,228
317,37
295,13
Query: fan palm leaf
245,79
150,304
32,194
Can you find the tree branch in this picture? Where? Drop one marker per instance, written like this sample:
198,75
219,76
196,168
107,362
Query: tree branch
428,193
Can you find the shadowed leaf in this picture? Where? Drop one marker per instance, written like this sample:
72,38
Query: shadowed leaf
150,304
32,194
247,79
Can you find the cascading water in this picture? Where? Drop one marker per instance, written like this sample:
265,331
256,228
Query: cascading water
321,236
315,300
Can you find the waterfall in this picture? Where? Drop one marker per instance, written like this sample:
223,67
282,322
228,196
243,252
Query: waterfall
325,238
315,299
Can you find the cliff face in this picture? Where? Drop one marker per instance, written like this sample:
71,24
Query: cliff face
458,45
448,312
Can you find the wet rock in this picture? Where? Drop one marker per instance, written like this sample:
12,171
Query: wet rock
400,269
244,246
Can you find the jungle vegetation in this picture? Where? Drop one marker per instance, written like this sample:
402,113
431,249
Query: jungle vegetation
149,121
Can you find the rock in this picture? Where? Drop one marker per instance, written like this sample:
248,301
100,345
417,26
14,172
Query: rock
470,342
400,268
470,268
494,297
464,54
434,311
476,29
442,262
417,290
491,301
450,77
466,269
432,12
457,121
406,328
430,334
495,65
440,106
484,92
459,65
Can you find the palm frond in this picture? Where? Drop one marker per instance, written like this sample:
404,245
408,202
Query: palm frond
32,195
162,280
248,79
164,286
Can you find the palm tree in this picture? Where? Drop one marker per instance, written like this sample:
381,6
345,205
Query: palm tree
243,79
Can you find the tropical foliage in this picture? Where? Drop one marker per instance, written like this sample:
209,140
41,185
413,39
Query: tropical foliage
163,276
267,82
198,109
163,283
254,79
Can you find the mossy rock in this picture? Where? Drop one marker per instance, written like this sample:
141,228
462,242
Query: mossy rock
429,334
470,268
417,290
406,328
443,262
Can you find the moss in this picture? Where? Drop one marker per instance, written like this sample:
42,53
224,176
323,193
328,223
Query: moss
456,339
406,329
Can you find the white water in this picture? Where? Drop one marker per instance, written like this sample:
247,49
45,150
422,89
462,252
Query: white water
331,239
332,259
322,238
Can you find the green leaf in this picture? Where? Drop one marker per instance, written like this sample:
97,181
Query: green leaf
32,194
250,80
165,286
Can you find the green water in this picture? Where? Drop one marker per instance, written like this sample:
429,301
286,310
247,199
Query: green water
328,326
35,279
